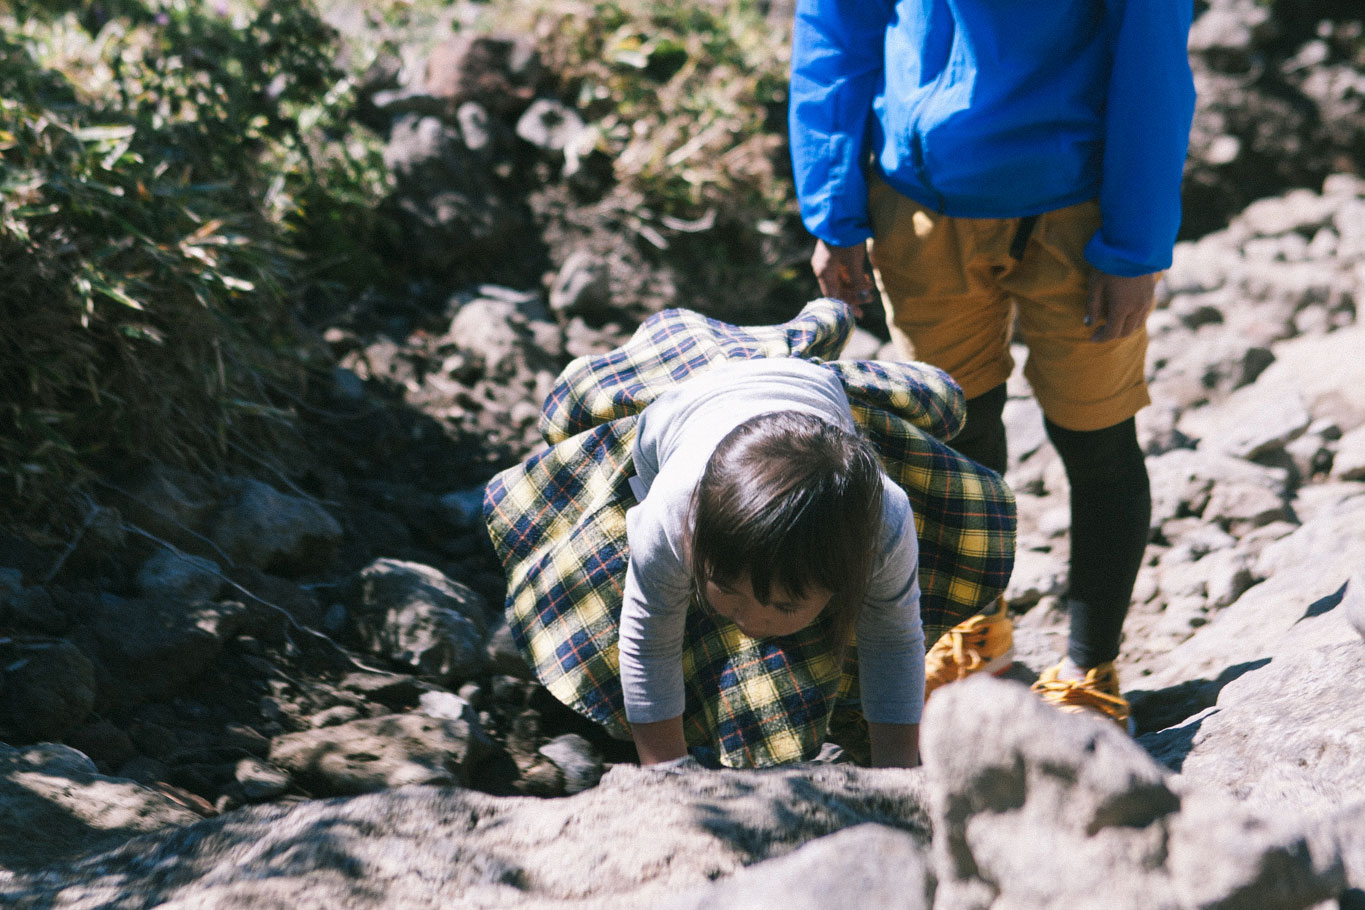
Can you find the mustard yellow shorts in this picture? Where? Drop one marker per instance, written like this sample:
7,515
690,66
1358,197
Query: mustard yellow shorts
955,295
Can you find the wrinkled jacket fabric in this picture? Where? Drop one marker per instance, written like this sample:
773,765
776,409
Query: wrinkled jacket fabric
996,109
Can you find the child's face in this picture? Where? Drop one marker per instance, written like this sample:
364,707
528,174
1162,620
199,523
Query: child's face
782,615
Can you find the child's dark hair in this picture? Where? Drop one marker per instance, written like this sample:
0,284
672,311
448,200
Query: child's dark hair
791,500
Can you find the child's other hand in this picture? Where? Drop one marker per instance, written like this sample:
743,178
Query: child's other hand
1119,306
842,274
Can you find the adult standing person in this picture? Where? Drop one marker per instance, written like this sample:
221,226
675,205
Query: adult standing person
1016,167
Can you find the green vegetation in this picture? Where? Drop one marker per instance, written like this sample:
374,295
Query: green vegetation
169,182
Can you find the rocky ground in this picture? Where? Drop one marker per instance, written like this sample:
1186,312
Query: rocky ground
225,692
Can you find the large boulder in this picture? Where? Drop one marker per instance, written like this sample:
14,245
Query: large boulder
414,615
1287,737
1034,808
282,534
54,806
640,838
47,687
155,646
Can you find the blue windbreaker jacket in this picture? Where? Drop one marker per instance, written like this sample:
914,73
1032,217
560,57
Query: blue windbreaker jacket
996,109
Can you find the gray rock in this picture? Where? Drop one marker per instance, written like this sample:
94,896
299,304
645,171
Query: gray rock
581,287
1182,482
446,200
334,716
1236,494
1354,602
1343,833
447,706
1348,463
479,131
1242,504
47,687
415,615
1295,213
28,607
281,534
1285,738
1024,428
1228,28
1037,574
504,657
157,646
55,758
862,345
54,806
173,504
638,839
1226,857
1327,372
551,125
1203,265
1324,498
1036,808
1230,574
1250,423
260,781
179,576
380,753
868,866
1294,609
506,337
463,508
1311,454
574,756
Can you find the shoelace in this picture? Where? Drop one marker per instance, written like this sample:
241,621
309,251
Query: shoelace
966,649
1075,692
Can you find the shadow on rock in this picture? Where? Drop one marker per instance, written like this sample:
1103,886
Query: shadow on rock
1162,708
1171,745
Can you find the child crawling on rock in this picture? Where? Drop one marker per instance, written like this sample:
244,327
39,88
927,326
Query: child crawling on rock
737,544
759,498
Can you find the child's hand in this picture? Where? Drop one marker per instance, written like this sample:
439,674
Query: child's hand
1119,306
842,274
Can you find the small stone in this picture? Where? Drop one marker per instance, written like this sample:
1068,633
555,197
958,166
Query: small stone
577,761
447,706
260,781
180,576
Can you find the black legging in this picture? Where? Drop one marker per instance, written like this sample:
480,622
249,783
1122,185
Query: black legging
1111,510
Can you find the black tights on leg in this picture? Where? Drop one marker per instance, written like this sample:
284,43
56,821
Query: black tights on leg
1111,510
982,438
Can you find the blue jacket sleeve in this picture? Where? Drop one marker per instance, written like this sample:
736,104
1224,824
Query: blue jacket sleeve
1146,134
837,50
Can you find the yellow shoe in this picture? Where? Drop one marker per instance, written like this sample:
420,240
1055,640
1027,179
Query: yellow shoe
982,644
1097,692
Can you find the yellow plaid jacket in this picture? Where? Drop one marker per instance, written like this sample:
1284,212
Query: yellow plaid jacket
557,522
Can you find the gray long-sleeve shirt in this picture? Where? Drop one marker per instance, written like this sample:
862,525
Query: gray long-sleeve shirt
675,437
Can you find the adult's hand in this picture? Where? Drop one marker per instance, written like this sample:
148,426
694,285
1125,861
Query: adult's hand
1119,306
842,274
